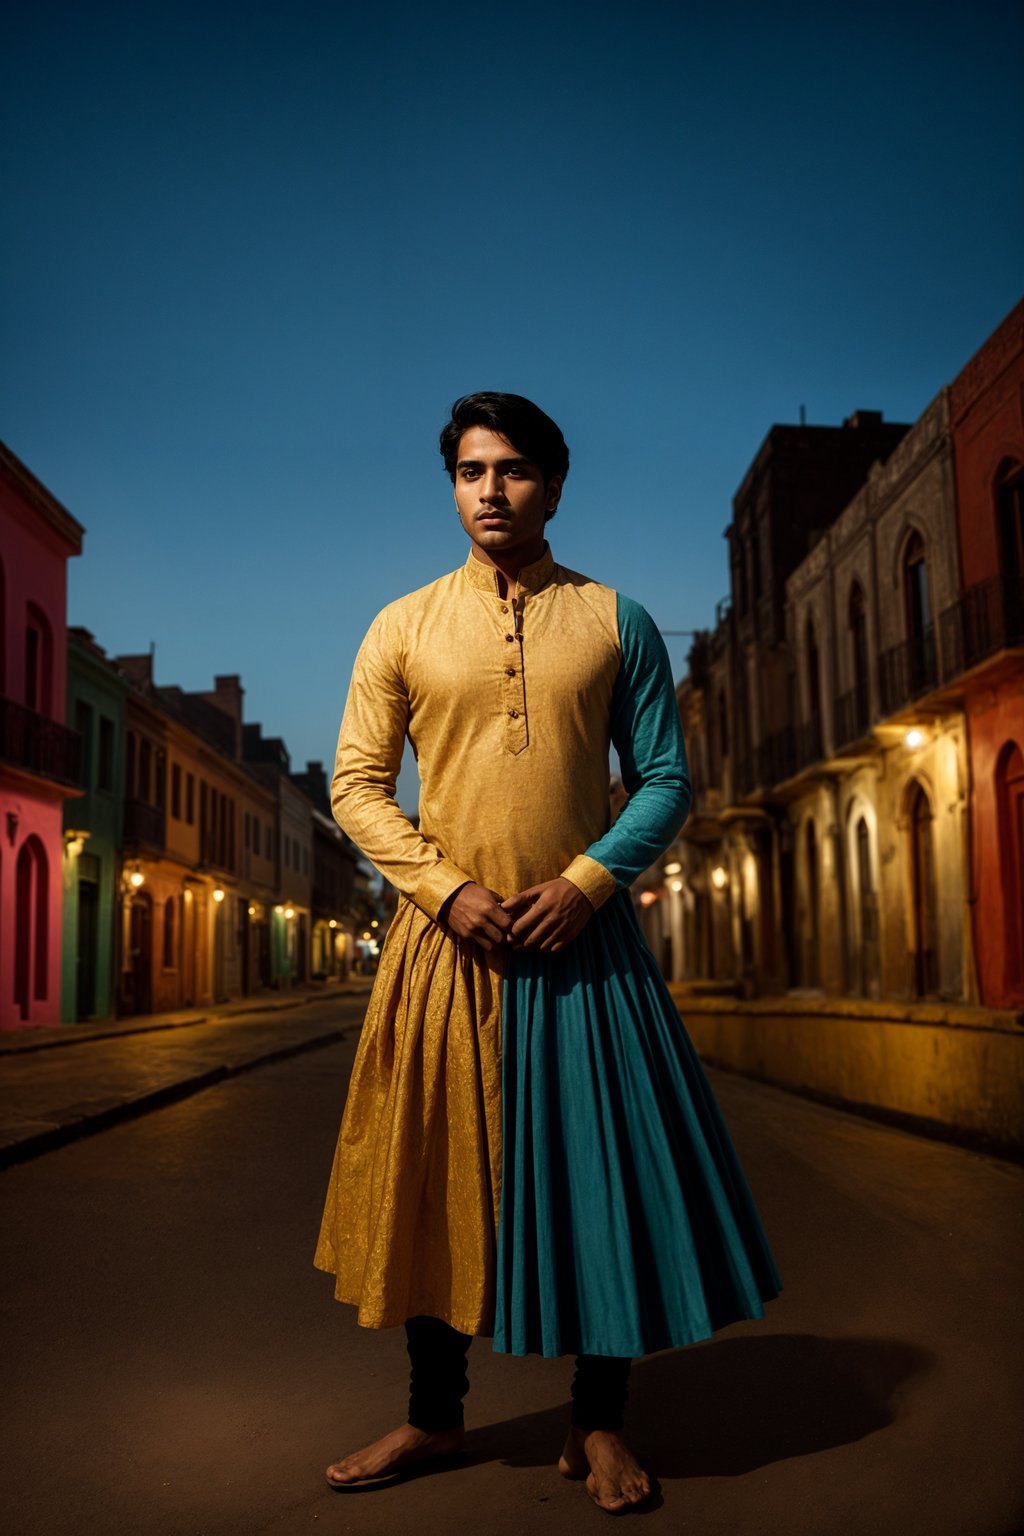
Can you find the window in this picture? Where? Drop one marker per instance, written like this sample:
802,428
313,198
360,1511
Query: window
105,766
38,662
1010,510
246,834
83,725
145,763
255,834
176,791
190,799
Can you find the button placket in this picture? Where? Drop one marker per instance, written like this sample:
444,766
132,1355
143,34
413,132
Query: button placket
513,686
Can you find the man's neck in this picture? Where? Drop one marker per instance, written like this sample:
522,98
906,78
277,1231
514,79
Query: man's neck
509,563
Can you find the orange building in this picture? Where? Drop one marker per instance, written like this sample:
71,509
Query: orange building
987,632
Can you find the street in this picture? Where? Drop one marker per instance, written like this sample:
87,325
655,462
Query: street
176,1367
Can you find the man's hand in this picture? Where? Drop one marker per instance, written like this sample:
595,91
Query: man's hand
475,913
548,916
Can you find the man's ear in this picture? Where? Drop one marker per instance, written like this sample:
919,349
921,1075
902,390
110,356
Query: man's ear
553,494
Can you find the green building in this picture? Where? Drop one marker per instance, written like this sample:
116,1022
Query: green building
92,832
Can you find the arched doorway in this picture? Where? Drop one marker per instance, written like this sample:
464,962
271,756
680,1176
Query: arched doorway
923,917
31,926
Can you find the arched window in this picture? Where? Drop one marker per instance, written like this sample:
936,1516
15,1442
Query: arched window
924,914
170,932
812,734
917,618
1010,515
1010,813
38,661
857,615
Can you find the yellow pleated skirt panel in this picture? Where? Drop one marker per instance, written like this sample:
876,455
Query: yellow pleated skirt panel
410,1220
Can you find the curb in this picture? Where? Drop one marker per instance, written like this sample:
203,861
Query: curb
28,1047
75,1125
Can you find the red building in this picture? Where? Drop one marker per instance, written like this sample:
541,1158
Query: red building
987,629
39,756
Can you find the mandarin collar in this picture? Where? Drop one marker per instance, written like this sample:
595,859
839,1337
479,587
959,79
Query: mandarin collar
531,577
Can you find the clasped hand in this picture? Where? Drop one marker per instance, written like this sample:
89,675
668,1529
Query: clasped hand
545,917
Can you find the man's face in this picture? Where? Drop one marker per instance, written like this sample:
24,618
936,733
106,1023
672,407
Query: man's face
501,496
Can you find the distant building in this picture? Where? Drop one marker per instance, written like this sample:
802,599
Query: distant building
93,826
40,758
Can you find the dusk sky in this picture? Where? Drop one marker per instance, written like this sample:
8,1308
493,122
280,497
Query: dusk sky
252,253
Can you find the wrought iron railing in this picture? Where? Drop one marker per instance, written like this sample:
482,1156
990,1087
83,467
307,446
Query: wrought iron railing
907,670
43,746
987,618
143,823
852,714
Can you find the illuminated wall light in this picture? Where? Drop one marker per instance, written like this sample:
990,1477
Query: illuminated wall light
333,923
367,934
218,894
289,911
374,923
136,878
674,868
252,911
648,898
719,878
74,842
914,739
188,895
676,885
279,910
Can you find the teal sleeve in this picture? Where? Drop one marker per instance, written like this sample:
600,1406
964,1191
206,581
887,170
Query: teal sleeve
648,736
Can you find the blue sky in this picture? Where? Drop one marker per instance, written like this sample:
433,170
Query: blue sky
252,252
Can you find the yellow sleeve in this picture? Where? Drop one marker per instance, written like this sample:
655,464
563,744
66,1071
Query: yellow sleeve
366,767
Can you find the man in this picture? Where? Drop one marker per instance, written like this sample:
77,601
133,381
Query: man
530,1147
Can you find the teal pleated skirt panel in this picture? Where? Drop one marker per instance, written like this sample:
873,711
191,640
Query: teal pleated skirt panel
626,1223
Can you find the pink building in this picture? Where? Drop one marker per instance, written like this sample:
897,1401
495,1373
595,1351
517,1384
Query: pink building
39,756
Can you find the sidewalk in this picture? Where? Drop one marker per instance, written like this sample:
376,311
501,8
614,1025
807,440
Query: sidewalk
53,1094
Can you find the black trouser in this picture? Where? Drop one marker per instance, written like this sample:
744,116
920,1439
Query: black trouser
439,1382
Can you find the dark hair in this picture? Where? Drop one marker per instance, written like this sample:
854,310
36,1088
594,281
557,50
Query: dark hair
523,424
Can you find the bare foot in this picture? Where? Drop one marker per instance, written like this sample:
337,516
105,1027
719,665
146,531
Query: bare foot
615,1479
391,1452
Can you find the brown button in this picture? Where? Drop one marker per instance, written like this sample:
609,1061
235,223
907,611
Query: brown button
514,713
504,607
510,637
510,671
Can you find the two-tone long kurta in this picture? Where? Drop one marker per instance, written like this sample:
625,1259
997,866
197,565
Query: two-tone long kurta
530,1146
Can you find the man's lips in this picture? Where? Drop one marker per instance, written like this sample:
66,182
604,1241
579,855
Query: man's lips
494,517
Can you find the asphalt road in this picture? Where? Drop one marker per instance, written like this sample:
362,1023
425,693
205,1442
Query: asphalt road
174,1366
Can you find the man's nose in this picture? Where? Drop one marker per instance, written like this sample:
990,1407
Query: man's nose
491,487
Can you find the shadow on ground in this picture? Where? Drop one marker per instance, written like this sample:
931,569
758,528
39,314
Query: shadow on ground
737,1405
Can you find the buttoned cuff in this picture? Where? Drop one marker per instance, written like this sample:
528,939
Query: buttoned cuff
437,885
596,882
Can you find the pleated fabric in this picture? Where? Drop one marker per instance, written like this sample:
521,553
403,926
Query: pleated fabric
626,1224
411,1215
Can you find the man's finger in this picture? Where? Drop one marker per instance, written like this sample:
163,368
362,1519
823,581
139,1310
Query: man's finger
520,901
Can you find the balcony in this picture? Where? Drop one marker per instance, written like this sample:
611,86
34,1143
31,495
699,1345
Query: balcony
143,823
852,716
38,745
988,618
908,670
